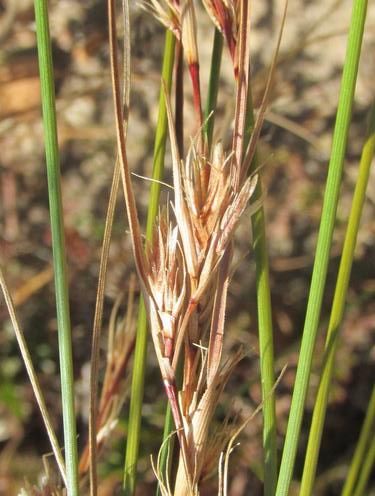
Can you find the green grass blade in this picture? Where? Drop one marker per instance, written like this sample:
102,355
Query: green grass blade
367,435
161,133
266,348
137,388
267,369
58,243
323,245
368,464
338,305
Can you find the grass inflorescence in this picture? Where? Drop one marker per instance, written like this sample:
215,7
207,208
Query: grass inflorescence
184,264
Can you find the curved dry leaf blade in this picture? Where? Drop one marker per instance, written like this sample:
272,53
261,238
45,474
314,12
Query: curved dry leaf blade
33,377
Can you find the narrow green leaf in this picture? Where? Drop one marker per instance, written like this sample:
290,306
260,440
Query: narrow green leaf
137,388
58,243
331,196
358,472
368,464
266,348
337,312
258,222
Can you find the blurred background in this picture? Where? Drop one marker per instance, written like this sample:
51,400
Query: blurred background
294,151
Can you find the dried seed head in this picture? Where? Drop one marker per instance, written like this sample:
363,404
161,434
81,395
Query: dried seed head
198,421
209,208
167,280
224,14
167,12
234,212
189,32
180,18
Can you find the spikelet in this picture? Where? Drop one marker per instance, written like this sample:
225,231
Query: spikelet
167,12
167,282
180,18
225,16
207,208
197,424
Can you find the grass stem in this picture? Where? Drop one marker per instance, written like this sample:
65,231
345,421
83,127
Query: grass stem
58,243
361,454
331,196
266,348
364,475
337,312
